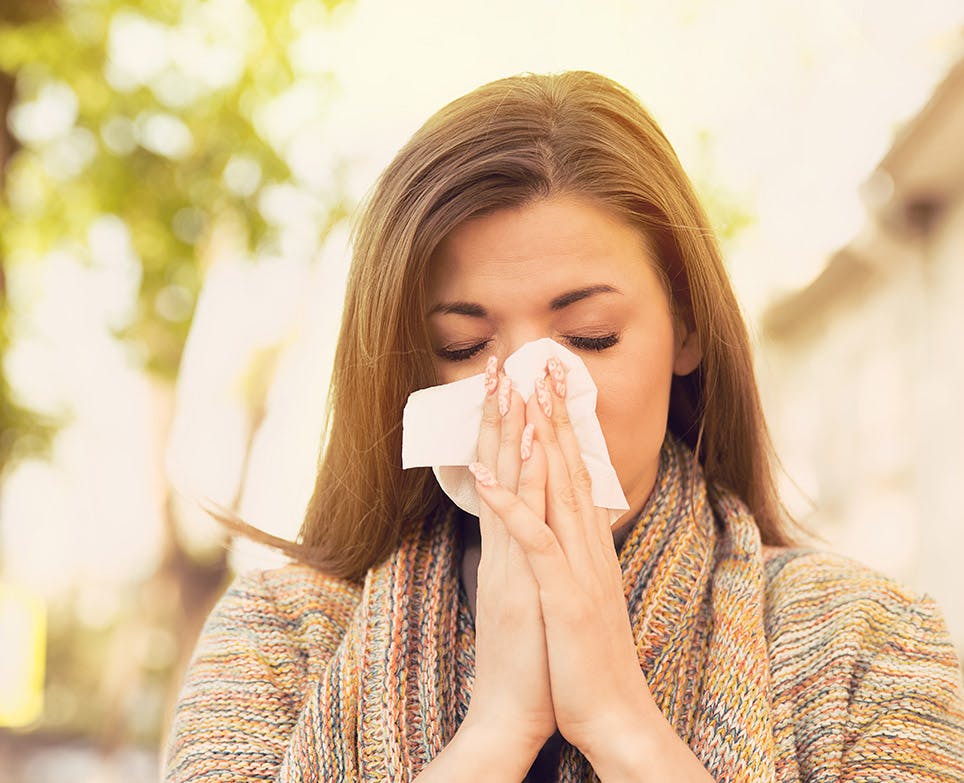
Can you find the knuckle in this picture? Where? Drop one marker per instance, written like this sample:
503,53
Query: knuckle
568,498
548,435
490,417
561,415
542,541
581,477
507,437
515,505
488,439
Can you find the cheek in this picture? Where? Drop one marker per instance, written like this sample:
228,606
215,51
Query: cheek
633,396
449,372
444,374
633,399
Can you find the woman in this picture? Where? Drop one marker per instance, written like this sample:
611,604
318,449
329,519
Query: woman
690,641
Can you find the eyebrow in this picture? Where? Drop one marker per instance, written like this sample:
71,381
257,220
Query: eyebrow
558,303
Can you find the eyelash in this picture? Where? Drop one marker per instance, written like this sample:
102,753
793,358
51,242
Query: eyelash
582,343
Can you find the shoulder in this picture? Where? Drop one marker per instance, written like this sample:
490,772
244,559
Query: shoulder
305,605
867,681
269,632
836,594
261,653
828,611
789,570
295,590
823,586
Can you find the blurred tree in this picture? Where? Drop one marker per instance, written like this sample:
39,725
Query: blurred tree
23,432
144,131
728,212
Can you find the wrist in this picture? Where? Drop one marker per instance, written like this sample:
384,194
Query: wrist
622,752
479,751
642,748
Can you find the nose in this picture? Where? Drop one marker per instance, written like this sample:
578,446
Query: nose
517,340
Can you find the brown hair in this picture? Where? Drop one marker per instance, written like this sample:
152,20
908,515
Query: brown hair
505,144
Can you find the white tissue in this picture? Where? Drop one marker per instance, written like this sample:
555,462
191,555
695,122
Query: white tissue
440,426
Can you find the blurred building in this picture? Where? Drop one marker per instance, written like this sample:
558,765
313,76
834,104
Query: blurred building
862,371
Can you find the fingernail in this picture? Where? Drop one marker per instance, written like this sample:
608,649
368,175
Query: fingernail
542,393
525,447
560,387
505,386
556,370
490,379
482,474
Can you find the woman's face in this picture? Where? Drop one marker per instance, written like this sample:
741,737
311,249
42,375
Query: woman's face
529,273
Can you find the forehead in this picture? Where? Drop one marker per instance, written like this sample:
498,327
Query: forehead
550,235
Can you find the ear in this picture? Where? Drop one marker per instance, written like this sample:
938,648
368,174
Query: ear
689,350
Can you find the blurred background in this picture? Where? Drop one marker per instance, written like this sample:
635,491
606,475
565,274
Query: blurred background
177,179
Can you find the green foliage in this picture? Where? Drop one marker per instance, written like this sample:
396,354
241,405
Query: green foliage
169,200
728,211
23,432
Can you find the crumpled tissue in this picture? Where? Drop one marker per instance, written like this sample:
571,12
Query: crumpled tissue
440,426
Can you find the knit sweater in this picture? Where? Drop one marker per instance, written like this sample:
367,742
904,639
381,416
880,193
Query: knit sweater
863,667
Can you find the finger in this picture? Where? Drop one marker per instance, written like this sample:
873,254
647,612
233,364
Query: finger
538,542
532,491
509,461
488,443
567,513
495,538
532,477
565,433
572,451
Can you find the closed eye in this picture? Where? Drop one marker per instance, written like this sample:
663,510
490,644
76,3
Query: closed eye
580,343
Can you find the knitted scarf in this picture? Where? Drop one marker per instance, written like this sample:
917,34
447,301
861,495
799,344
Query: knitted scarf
400,683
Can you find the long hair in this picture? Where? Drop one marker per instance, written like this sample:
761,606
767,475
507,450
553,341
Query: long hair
508,143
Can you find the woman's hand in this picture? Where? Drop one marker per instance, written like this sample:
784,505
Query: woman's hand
598,691
511,691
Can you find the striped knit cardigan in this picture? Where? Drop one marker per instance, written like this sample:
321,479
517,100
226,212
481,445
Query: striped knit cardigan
859,680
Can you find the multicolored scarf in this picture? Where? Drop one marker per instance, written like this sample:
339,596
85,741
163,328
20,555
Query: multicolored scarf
401,681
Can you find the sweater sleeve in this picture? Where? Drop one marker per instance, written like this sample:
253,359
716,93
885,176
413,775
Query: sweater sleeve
250,695
906,716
